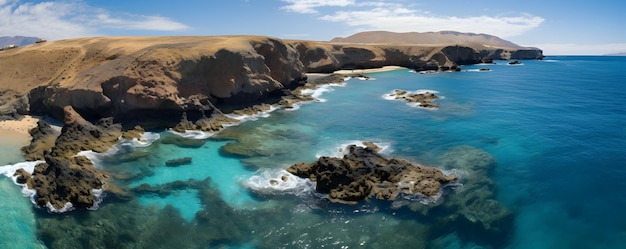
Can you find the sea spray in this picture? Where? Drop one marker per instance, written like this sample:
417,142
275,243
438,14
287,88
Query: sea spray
9,171
278,181
339,149
253,117
124,146
192,134
321,89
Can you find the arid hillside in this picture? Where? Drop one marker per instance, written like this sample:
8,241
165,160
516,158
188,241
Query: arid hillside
162,77
429,38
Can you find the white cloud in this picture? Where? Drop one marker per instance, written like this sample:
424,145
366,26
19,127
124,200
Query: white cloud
57,20
581,49
309,6
400,18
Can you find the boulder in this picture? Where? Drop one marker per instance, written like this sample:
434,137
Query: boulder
362,173
65,177
423,99
43,137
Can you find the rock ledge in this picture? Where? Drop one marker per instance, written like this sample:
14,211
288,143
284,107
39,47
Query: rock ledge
362,173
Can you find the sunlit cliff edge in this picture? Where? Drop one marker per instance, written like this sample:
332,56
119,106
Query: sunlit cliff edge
162,77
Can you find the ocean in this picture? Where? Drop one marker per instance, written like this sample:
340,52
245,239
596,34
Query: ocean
556,130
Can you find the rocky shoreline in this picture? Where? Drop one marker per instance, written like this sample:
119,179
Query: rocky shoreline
153,81
183,83
422,98
364,174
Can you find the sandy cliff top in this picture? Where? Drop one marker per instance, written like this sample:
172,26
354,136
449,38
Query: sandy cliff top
77,62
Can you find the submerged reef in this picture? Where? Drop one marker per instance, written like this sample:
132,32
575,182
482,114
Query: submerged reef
473,206
362,173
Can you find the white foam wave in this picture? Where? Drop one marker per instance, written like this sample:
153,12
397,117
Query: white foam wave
478,70
9,171
294,107
392,96
98,195
425,91
429,72
279,181
146,139
66,208
123,146
192,134
339,150
321,89
252,117
95,157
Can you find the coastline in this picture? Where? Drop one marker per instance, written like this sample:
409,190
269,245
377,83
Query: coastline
12,142
14,134
315,76
369,70
19,126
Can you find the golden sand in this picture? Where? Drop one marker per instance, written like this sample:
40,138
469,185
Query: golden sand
21,126
371,70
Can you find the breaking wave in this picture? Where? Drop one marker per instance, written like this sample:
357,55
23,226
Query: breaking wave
279,181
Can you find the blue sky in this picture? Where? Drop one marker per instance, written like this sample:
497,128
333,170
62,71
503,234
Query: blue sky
558,27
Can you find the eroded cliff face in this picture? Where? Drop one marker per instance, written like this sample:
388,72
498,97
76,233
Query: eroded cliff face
328,57
161,77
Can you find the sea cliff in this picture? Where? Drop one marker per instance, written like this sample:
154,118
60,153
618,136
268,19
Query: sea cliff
184,83
140,79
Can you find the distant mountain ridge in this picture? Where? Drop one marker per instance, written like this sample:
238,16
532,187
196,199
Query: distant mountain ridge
17,40
427,38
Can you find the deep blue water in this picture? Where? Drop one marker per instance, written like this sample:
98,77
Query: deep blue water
557,129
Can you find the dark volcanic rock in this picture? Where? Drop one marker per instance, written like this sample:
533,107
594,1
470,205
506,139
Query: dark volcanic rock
362,173
42,140
22,176
422,99
65,177
215,123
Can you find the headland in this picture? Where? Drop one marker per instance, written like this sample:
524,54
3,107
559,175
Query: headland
103,86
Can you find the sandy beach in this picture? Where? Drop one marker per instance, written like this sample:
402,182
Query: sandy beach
371,70
21,126
313,76
14,135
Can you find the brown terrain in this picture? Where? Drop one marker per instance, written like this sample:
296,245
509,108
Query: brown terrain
180,82
132,78
432,38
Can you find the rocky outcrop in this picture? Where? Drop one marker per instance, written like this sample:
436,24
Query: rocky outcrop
12,105
362,173
329,57
65,177
43,137
145,79
422,99
214,123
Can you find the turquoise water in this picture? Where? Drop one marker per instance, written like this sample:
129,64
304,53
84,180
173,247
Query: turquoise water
556,128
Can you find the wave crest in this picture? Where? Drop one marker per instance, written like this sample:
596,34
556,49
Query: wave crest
279,181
